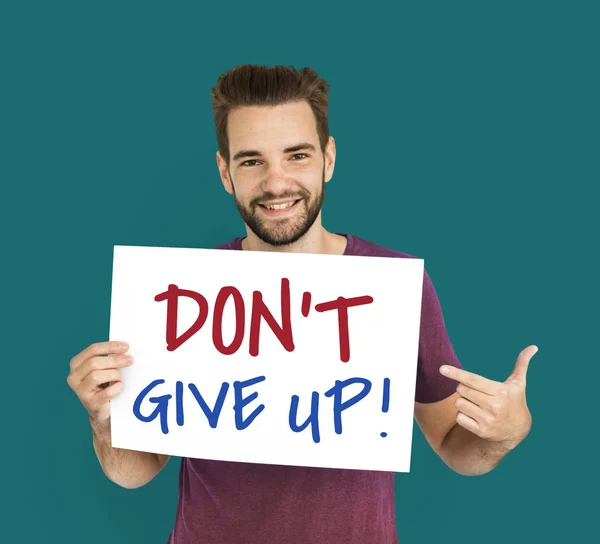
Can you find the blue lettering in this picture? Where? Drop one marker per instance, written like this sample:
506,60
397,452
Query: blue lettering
211,415
338,405
241,401
162,404
313,418
179,402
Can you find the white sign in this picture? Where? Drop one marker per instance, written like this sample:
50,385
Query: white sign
276,358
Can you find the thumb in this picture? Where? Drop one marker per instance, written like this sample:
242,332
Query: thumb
519,373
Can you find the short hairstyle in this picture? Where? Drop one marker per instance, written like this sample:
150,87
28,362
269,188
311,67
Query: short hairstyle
252,85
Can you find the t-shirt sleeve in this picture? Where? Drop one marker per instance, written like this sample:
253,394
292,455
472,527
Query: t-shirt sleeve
435,349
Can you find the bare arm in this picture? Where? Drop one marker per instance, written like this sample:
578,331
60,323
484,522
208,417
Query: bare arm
469,454
95,379
473,429
463,451
127,468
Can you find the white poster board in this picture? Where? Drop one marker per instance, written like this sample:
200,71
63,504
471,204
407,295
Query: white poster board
250,356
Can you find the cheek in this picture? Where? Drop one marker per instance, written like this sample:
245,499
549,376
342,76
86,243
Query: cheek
247,182
310,177
245,191
311,170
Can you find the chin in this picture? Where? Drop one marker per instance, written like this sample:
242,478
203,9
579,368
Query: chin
279,241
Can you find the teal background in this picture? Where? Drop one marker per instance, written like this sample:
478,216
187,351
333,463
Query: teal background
467,134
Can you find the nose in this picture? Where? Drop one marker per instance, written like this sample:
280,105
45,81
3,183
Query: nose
276,179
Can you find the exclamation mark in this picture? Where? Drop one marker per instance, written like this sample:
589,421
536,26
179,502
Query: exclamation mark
386,399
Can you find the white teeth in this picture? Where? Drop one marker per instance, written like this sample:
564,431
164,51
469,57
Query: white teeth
280,206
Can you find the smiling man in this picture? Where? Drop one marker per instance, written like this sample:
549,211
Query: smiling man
275,158
279,214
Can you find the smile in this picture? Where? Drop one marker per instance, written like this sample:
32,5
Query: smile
277,208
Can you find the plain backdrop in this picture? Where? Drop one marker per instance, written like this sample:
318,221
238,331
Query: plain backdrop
467,135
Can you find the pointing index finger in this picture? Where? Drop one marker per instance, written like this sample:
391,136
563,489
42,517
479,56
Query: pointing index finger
472,380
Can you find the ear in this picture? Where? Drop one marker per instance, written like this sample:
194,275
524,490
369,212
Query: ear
224,173
329,158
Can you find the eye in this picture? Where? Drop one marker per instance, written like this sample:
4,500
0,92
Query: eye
301,155
245,163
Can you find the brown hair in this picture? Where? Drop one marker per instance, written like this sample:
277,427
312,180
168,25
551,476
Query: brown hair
251,85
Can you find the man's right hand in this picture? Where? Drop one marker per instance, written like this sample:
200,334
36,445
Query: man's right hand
95,377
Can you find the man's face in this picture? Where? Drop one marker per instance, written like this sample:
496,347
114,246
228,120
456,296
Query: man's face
277,172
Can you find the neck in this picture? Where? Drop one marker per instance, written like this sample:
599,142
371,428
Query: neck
316,240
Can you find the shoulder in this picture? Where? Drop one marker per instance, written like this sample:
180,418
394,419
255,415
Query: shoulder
360,246
236,243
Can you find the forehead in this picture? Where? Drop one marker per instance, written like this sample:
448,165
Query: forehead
253,126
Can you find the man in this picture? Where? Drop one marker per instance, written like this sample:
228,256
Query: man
275,157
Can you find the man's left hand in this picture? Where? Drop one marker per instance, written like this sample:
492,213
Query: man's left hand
494,411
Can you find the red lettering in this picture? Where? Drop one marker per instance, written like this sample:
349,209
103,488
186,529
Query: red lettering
260,310
238,301
341,304
306,303
171,295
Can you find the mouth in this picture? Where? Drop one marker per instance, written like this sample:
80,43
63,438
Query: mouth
280,208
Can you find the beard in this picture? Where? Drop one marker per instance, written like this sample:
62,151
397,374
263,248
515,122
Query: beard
283,232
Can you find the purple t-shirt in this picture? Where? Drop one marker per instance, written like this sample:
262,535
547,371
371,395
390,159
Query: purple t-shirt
222,502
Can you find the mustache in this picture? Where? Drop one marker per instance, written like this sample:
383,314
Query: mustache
297,195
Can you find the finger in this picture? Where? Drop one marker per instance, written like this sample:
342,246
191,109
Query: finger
466,407
100,363
476,397
109,393
92,382
100,348
519,373
472,380
468,423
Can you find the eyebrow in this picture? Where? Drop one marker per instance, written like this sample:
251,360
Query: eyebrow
253,153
